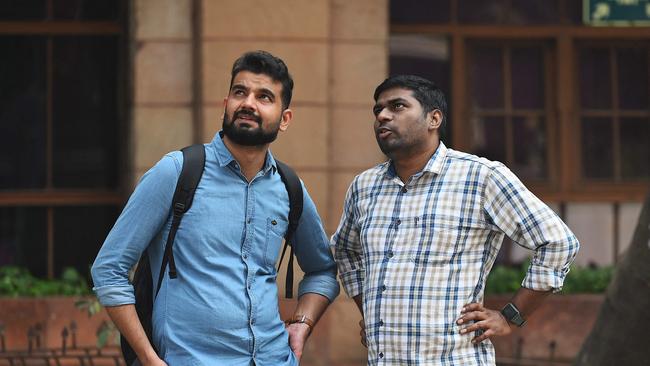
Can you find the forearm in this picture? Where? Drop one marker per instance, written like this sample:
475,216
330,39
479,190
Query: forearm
527,300
126,319
312,306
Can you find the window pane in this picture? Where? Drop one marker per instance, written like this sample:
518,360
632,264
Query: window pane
22,10
597,151
633,78
78,234
22,112
489,138
635,148
487,77
427,57
86,9
535,12
530,147
527,78
595,78
574,11
483,11
85,112
23,238
418,11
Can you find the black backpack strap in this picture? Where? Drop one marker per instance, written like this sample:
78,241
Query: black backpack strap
294,189
193,164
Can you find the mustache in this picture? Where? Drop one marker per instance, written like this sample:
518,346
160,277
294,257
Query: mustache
248,113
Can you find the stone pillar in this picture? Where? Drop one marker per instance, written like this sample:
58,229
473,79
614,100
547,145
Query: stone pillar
162,75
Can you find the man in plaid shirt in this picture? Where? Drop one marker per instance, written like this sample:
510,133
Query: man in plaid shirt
420,233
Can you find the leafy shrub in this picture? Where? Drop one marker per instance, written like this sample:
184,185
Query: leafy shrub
17,281
580,280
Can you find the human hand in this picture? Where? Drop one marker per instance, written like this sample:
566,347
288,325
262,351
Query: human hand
490,322
298,333
362,333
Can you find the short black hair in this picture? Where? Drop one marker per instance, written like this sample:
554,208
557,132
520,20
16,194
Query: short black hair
262,62
424,91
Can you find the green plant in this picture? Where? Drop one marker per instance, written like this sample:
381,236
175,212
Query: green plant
580,280
17,281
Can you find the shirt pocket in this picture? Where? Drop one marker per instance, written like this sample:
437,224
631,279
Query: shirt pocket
276,228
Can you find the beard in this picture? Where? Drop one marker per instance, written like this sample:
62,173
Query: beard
248,136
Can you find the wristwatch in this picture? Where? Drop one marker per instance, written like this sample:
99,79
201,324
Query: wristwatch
512,314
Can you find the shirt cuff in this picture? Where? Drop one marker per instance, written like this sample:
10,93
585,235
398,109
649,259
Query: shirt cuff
542,278
322,284
115,295
352,282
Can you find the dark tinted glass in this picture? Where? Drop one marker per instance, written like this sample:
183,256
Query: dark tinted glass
633,78
78,234
527,77
86,9
22,10
23,238
574,11
490,138
595,78
85,112
22,112
483,11
597,151
529,137
635,148
535,12
487,77
419,12
427,57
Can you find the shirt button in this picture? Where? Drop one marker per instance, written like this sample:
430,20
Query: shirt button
383,288
381,354
249,221
245,256
381,323
398,222
404,190
389,254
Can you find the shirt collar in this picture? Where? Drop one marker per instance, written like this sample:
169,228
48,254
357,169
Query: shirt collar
434,165
224,157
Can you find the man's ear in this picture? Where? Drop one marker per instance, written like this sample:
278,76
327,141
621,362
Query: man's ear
435,118
287,116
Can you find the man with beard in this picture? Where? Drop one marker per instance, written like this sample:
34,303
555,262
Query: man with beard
222,309
419,235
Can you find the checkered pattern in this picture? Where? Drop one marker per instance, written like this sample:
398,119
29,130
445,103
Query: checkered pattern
419,251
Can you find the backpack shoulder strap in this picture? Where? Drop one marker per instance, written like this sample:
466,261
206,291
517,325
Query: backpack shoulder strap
193,165
294,189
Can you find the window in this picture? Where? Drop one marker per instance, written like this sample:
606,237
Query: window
614,117
510,114
566,106
61,124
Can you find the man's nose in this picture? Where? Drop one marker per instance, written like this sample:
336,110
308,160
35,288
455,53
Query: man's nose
248,102
384,115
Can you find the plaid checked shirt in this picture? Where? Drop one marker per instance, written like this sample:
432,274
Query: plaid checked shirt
419,251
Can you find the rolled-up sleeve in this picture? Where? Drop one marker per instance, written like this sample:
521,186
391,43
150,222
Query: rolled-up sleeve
347,247
143,216
529,222
313,254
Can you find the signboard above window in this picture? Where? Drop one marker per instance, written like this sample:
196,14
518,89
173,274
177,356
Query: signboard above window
621,13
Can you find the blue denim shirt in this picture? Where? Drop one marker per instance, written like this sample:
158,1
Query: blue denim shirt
222,309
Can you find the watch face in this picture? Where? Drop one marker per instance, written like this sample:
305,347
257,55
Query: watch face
511,314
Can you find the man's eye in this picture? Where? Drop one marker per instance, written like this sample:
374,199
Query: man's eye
376,111
398,106
238,92
265,97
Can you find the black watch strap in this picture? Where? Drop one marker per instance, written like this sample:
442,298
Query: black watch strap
512,314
